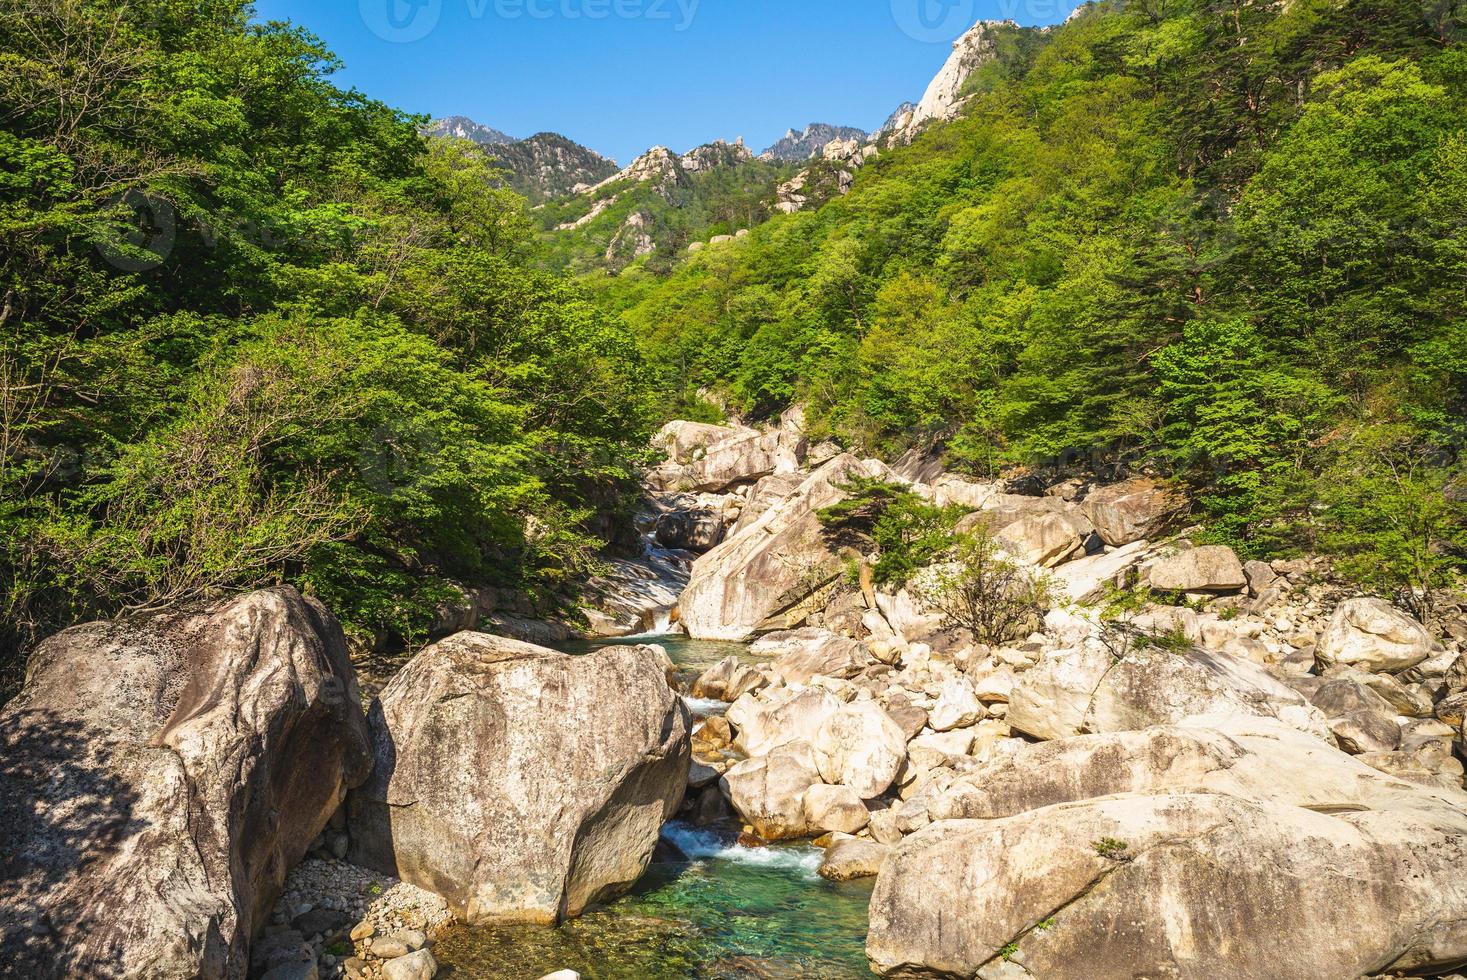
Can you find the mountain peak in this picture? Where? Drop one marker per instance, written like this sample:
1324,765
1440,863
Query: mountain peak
798,146
464,128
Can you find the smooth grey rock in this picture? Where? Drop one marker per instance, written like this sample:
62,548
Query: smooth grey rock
519,783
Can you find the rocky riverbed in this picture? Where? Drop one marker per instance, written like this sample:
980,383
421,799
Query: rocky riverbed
1186,765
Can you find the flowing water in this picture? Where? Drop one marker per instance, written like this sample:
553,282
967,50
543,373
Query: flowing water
725,913
707,909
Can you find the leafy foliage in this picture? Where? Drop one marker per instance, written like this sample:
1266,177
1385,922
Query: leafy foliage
254,328
906,531
1223,242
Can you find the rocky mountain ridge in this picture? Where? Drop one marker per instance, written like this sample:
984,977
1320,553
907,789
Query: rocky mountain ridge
796,146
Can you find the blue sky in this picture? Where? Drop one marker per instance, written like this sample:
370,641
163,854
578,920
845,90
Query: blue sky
623,75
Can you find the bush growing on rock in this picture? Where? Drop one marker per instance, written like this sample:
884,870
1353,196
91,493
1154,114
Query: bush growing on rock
985,591
906,531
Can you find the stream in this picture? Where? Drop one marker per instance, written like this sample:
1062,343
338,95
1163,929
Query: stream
718,912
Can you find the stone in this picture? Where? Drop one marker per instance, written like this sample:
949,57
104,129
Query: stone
295,970
1255,758
1213,568
1084,579
768,725
1157,687
909,717
1260,575
837,809
414,966
936,749
1039,539
766,567
690,530
484,744
1131,511
852,859
728,680
883,827
1374,636
1182,885
1360,732
1051,699
562,975
957,707
859,746
769,791
389,948
158,778
800,655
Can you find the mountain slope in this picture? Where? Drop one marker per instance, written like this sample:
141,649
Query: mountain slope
1182,241
548,165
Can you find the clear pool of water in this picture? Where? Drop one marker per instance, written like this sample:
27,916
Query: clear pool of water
693,655
724,913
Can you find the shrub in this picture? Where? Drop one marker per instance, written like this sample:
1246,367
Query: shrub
907,532
985,591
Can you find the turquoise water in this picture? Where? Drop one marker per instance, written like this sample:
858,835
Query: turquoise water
724,913
696,655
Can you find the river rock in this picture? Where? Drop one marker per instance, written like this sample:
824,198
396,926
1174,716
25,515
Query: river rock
765,725
1132,511
1085,579
1176,885
1373,635
519,783
957,707
1252,758
1213,568
1052,699
800,655
713,459
158,778
691,530
1157,687
769,792
1040,539
728,680
772,564
859,746
835,809
848,860
418,965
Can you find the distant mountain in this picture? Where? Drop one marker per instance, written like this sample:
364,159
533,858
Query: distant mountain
797,147
464,128
661,204
548,165
902,114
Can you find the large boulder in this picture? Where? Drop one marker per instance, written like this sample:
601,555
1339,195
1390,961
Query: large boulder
802,654
1089,690
1212,568
1251,758
1373,635
695,529
159,777
1042,539
769,792
1130,511
1175,885
765,725
859,746
519,783
772,564
728,680
713,459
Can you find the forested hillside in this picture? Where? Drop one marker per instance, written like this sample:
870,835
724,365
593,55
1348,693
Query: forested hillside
255,329
1220,241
